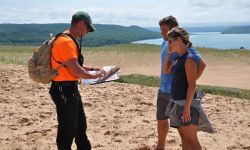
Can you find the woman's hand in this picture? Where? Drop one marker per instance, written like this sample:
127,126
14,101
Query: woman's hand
186,115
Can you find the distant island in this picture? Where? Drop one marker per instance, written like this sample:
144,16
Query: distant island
35,34
237,30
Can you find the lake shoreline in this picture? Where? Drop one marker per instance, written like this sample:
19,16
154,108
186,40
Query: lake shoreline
211,40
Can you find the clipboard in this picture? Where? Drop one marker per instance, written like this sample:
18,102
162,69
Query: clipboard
111,75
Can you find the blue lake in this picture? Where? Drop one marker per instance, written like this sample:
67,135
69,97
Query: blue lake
213,40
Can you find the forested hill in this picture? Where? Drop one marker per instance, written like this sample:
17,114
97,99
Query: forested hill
35,34
237,30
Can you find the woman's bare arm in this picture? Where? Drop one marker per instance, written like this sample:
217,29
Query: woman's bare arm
191,73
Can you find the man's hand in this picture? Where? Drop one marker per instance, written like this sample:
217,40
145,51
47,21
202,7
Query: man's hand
82,72
95,69
170,50
98,69
100,74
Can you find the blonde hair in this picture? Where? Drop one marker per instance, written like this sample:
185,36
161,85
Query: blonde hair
182,33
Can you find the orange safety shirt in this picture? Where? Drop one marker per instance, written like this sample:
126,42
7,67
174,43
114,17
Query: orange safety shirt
64,49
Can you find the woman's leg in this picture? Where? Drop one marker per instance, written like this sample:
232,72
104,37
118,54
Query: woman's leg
190,137
182,138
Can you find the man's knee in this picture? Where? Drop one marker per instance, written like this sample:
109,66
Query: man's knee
164,122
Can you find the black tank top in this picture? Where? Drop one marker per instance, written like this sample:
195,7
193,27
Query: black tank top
180,84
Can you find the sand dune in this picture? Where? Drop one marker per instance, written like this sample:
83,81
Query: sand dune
228,71
120,116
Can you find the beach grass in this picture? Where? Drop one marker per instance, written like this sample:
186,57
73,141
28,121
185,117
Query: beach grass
15,54
19,54
223,53
153,81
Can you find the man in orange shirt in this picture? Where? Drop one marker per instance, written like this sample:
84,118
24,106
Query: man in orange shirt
64,88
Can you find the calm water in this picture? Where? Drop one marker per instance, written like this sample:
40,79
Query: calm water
213,40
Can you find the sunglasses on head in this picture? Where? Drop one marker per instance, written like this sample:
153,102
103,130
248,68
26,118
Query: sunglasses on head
171,40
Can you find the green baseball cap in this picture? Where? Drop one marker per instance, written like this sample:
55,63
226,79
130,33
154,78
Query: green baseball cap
80,15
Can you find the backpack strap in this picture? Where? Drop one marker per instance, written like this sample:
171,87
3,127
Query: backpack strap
80,56
78,47
51,52
74,40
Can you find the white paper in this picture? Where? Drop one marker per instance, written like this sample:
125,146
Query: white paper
96,81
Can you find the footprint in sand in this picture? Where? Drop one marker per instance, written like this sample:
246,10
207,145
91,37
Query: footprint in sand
116,134
23,120
171,141
145,121
144,103
144,148
98,145
118,140
43,132
117,116
107,133
87,104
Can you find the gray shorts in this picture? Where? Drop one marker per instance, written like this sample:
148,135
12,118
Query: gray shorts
176,112
162,101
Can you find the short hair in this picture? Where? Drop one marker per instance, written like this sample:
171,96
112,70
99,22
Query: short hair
170,21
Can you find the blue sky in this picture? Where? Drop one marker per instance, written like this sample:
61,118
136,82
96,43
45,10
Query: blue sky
144,13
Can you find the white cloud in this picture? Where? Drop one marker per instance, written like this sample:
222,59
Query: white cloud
130,12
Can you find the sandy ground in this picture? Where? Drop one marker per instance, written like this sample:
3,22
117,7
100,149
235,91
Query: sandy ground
225,71
120,116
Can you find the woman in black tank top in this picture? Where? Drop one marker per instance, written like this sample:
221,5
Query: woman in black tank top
183,86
